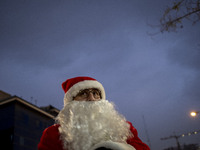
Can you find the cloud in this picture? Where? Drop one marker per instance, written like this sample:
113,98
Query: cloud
41,35
187,56
45,42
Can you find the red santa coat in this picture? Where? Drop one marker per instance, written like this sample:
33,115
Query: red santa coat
50,139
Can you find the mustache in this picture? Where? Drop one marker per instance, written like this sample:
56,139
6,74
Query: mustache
90,106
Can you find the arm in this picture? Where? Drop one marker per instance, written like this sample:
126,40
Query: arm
50,139
135,141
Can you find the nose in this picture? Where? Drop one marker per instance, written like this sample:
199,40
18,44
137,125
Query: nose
91,97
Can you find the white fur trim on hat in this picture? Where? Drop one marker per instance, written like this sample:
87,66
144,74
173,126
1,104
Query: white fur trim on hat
75,89
113,146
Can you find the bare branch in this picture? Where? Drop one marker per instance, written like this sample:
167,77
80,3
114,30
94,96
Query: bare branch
181,9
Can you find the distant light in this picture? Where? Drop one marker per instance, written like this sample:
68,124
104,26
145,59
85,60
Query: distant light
193,114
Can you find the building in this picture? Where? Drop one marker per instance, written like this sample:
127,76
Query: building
22,123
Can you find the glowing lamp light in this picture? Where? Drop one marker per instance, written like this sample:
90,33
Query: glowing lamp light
193,114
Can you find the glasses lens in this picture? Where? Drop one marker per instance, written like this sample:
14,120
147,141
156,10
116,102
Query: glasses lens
85,93
96,93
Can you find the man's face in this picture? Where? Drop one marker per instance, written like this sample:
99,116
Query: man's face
91,94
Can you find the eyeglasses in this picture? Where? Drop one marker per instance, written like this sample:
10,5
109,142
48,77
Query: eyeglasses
86,93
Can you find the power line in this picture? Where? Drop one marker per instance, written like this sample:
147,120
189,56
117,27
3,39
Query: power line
146,132
180,136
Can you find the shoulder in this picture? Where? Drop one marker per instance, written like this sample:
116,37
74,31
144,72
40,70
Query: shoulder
50,139
133,129
135,141
52,133
53,128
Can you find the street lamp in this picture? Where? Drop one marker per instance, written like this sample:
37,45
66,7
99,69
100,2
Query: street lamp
194,113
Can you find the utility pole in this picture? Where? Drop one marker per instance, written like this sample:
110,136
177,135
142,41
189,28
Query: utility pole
180,136
176,137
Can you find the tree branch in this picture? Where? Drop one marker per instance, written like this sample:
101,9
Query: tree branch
184,16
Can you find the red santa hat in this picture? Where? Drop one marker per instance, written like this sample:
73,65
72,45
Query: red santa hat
72,86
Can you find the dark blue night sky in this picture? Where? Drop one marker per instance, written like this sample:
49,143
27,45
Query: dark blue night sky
42,43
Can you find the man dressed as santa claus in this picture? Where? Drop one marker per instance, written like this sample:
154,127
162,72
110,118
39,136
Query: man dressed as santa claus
89,122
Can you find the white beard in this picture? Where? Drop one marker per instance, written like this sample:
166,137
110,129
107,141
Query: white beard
86,123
